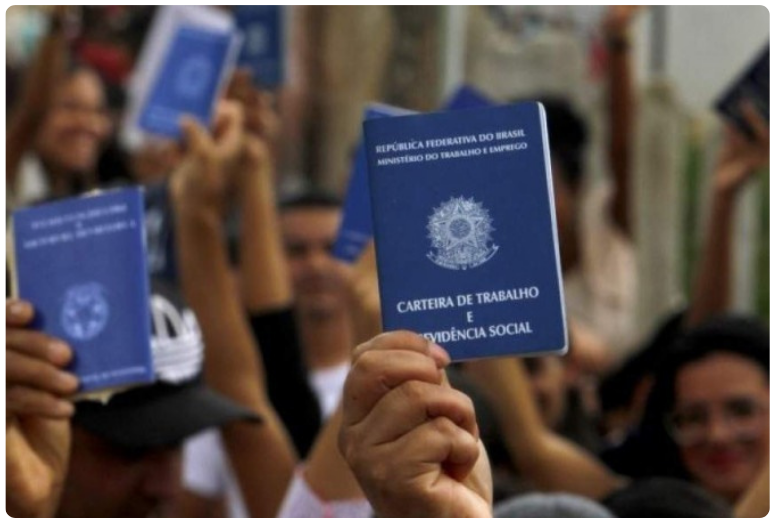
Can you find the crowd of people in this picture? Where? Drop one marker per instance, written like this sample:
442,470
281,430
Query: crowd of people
300,406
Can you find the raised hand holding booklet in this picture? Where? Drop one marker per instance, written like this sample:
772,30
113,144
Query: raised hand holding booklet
465,229
263,50
189,80
752,86
182,67
81,263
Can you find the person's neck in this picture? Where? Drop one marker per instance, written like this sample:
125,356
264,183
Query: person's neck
327,341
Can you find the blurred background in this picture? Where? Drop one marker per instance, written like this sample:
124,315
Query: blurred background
681,58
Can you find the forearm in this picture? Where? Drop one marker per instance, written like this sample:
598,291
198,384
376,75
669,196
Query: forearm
620,127
712,287
549,460
264,272
46,69
261,454
33,487
263,460
326,471
204,274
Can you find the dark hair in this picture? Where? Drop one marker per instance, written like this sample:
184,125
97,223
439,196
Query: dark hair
617,388
307,198
742,336
665,498
567,138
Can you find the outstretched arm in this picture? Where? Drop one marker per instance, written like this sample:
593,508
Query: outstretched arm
47,67
261,454
549,460
616,30
739,160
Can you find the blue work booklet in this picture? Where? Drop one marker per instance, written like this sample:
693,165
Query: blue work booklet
263,50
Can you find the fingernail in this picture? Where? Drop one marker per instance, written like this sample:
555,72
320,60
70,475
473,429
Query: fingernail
59,352
439,355
17,308
67,381
65,408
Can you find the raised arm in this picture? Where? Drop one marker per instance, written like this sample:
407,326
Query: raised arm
333,487
739,160
261,454
549,460
264,274
616,31
47,67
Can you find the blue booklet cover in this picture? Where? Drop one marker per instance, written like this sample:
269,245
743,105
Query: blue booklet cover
754,86
355,229
465,229
263,50
467,97
81,263
188,81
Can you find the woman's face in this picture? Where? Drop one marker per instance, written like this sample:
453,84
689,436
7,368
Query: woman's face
721,421
75,126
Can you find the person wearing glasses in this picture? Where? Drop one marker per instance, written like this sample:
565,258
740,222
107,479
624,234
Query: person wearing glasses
707,418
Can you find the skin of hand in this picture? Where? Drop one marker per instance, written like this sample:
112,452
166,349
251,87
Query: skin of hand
209,164
411,440
741,157
37,430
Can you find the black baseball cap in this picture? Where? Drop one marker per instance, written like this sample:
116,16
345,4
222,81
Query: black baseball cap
178,404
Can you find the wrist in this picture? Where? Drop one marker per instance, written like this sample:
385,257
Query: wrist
723,202
255,180
192,212
726,187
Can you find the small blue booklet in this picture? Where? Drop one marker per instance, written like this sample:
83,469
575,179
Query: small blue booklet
189,80
263,50
467,97
81,263
465,229
754,86
355,229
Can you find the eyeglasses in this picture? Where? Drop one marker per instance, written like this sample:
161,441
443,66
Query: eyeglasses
75,107
691,425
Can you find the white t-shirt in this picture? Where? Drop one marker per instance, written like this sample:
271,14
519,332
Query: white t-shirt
301,502
207,473
31,183
206,469
327,384
602,292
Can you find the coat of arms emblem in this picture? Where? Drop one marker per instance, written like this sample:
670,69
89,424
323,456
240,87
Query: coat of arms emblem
459,230
85,311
